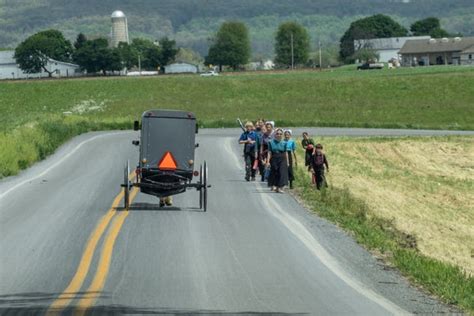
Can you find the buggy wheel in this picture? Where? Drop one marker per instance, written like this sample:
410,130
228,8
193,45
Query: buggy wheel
204,188
200,189
126,188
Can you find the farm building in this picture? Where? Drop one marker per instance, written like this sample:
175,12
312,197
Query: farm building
261,65
10,70
443,51
181,68
386,48
467,56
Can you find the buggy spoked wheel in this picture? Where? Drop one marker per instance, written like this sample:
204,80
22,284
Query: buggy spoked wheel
204,187
203,179
201,175
126,188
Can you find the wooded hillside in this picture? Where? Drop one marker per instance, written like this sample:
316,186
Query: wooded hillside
191,22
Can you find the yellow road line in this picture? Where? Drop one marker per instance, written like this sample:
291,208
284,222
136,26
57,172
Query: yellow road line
75,285
104,263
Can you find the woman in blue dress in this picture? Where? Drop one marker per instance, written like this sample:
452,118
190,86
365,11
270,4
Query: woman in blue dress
277,160
291,149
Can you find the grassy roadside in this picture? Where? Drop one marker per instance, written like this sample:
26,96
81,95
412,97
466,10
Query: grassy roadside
357,214
33,142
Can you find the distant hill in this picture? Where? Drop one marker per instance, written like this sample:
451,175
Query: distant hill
192,22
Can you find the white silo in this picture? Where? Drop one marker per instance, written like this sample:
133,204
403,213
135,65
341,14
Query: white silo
119,28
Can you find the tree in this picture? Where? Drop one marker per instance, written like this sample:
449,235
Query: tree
95,56
188,55
152,58
376,26
329,57
230,46
148,52
128,55
112,60
291,44
34,53
168,51
366,55
430,26
81,39
439,33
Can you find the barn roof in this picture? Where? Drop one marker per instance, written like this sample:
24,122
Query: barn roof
387,43
468,50
438,45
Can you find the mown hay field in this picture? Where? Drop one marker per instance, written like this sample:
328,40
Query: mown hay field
423,186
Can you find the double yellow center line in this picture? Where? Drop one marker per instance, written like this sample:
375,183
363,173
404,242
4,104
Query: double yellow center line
98,281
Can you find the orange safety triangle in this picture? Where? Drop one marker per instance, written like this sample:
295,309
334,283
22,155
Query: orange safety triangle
168,162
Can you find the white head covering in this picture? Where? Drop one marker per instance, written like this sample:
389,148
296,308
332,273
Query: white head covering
289,131
270,122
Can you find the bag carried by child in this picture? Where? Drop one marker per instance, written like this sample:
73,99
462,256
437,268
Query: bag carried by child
267,173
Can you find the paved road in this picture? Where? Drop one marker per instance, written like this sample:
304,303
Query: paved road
66,247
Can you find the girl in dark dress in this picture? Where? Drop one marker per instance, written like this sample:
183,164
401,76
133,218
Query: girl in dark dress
266,138
308,146
260,153
278,162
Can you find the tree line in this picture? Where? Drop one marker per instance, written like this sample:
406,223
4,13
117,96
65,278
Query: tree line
229,47
382,26
93,55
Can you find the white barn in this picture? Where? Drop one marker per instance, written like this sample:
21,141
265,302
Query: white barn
386,48
10,70
181,68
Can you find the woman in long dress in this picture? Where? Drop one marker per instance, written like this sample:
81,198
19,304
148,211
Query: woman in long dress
291,149
278,162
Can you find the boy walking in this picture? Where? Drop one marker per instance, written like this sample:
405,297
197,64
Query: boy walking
248,139
318,162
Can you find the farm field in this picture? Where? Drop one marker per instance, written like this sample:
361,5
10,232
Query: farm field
405,197
432,98
41,115
425,186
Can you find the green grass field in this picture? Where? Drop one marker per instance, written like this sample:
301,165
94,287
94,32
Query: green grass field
33,122
436,97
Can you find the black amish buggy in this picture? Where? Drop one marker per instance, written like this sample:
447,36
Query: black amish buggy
166,163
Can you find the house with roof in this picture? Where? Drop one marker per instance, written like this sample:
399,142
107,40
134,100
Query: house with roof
386,48
9,69
438,51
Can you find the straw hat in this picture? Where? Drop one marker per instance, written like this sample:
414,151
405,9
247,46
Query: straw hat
249,124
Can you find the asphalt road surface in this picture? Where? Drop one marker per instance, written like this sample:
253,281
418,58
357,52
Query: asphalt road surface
67,246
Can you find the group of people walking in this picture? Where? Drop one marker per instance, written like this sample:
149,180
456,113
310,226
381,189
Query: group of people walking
271,152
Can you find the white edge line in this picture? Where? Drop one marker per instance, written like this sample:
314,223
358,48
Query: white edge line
300,231
57,163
